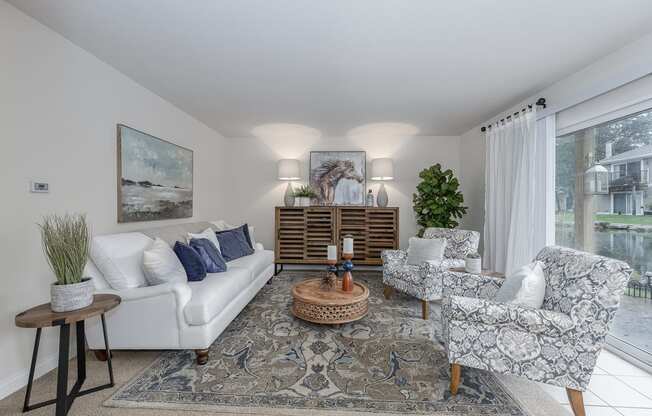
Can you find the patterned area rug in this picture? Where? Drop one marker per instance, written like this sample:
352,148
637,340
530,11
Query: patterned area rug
268,362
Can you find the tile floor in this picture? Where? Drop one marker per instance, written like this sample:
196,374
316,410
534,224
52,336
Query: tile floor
617,388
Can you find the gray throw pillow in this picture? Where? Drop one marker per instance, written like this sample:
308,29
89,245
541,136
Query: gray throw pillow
421,250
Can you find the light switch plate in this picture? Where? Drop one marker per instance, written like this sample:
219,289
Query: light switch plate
39,187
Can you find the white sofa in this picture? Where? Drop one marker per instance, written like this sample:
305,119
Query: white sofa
188,315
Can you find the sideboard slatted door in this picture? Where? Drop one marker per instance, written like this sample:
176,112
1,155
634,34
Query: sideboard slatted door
319,232
302,234
382,231
353,221
290,231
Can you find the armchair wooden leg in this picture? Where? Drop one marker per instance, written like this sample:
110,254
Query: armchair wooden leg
576,401
388,291
456,372
425,305
202,356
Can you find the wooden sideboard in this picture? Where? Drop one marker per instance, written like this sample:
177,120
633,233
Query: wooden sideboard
303,233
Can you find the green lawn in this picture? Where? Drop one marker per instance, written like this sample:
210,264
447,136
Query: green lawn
568,217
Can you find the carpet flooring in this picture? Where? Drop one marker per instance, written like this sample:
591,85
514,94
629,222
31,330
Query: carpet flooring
267,362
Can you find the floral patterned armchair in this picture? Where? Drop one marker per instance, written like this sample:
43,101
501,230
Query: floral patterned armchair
424,281
557,344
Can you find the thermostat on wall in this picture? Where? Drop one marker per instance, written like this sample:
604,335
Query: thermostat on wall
39,187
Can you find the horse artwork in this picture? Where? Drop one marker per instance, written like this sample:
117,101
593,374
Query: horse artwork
338,177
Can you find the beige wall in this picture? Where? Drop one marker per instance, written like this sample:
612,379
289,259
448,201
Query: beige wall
59,107
257,191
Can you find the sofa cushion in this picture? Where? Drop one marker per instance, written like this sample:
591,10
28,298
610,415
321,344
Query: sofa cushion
191,261
162,265
214,293
120,258
234,243
209,254
255,263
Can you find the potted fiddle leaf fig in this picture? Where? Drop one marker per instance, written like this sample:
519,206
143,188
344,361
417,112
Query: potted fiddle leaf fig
66,244
438,201
303,195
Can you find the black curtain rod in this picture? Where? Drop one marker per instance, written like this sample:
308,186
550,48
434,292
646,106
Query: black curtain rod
540,102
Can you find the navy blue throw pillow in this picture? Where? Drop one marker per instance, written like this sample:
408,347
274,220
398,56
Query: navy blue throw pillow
209,254
191,261
235,243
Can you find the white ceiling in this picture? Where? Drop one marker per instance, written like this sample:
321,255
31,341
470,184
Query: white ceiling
334,65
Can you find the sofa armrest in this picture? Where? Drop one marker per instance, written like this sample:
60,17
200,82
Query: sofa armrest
523,318
434,268
470,285
180,290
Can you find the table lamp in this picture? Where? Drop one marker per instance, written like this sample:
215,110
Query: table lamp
288,170
382,170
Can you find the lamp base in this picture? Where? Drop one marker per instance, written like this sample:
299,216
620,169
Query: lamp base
288,198
381,199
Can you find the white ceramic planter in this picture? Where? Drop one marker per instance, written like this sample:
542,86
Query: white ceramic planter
473,265
302,201
64,298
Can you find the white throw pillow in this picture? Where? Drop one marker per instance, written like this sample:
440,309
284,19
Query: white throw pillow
526,286
421,250
162,265
222,225
120,258
208,234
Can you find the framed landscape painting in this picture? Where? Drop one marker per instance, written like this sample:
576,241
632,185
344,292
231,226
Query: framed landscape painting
154,178
338,177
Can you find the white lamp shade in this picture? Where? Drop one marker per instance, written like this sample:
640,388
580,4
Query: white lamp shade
288,170
382,169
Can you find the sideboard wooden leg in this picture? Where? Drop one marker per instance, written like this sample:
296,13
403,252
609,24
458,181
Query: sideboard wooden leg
576,400
100,355
202,356
456,372
425,305
388,291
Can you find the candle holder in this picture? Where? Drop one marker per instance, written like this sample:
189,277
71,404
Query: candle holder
347,277
329,281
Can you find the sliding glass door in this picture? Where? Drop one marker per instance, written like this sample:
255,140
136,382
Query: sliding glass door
603,204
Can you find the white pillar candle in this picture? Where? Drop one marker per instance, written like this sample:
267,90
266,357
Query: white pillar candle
332,253
348,245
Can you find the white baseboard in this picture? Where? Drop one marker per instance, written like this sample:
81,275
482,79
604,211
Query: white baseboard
18,380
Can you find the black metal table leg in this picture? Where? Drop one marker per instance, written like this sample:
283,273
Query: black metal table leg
62,371
32,367
108,351
64,400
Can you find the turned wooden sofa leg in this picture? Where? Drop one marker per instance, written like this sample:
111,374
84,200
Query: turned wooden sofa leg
576,400
101,355
456,372
202,356
388,291
425,305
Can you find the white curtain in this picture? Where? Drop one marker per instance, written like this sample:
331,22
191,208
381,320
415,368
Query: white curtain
515,192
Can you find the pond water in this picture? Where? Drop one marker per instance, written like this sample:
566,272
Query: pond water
632,247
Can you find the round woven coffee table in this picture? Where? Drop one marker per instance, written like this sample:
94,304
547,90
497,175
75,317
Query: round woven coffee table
314,304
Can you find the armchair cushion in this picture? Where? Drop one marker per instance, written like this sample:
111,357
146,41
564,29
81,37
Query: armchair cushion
483,311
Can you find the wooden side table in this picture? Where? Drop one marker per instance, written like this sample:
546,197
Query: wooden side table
41,317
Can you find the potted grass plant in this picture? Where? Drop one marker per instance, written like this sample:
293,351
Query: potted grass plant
303,195
66,243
